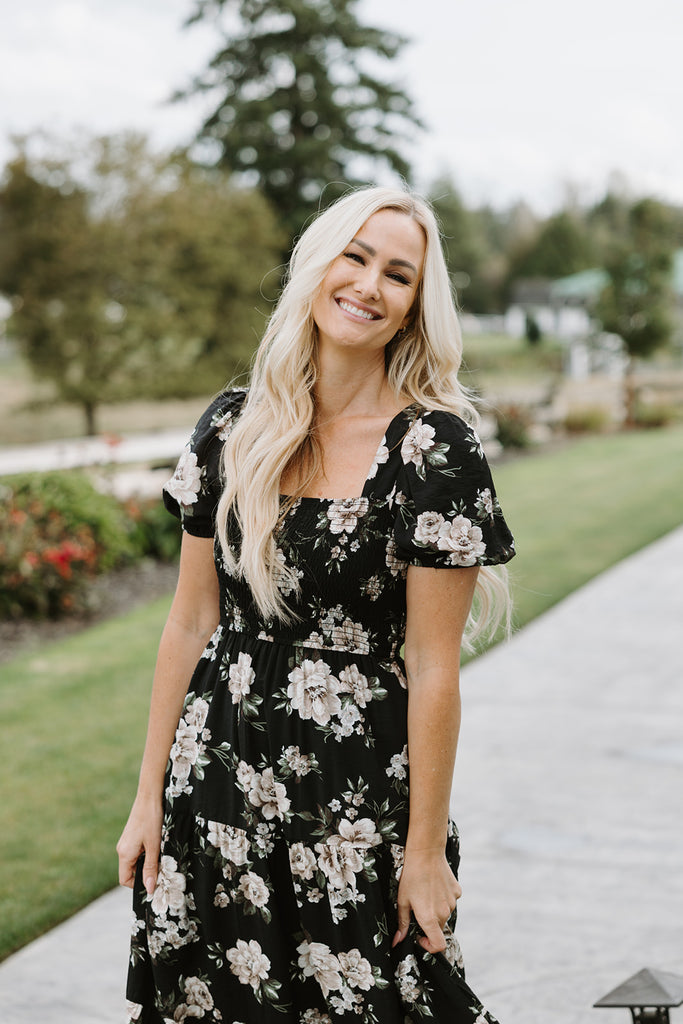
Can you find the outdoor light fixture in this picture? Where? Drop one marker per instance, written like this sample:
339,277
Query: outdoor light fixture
648,995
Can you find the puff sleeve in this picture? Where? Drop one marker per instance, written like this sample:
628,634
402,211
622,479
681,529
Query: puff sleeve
447,512
193,492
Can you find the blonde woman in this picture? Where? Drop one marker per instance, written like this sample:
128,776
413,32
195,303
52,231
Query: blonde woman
290,847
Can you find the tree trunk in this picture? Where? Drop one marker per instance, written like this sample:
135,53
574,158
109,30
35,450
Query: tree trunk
89,408
630,394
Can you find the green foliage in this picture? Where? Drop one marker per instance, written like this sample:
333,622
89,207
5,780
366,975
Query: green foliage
637,304
131,275
562,246
474,262
153,532
588,419
57,532
654,416
296,106
513,425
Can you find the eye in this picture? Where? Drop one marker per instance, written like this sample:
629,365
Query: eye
356,256
396,276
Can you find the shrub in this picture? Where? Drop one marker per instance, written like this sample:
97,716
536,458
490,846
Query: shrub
56,533
591,419
654,416
514,423
153,532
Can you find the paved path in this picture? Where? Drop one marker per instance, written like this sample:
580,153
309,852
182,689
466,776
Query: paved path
568,797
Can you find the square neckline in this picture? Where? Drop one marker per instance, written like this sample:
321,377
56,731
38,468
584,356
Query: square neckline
368,479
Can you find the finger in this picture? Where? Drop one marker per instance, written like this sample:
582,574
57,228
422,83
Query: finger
403,922
149,867
433,939
127,865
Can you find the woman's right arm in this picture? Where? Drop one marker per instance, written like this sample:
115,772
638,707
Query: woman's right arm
191,621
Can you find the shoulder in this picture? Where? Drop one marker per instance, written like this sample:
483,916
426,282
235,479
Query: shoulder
218,418
437,440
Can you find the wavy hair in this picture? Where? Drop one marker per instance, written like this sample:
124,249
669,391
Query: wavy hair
276,427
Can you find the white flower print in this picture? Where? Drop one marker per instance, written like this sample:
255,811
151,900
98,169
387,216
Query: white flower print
395,565
398,856
318,961
349,717
223,426
254,889
232,842
339,861
286,576
380,458
419,439
302,860
427,527
185,483
356,969
350,636
485,504
169,892
197,993
195,713
312,691
463,540
245,775
133,1010
353,681
314,1017
241,676
298,763
344,513
361,833
209,651
398,764
267,794
406,975
248,963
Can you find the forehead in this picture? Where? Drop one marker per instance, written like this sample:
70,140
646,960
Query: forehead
394,234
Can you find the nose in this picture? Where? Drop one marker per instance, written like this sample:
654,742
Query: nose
366,282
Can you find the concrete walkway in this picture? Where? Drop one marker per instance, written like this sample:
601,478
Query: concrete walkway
568,796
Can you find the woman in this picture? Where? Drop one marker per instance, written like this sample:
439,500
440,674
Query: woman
286,871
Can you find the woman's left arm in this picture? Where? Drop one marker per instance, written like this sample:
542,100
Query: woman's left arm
438,603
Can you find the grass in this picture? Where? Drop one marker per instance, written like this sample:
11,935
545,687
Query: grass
580,509
74,716
74,720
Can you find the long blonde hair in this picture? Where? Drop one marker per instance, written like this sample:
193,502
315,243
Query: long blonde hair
275,428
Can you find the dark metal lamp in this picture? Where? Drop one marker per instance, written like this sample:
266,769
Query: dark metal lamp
649,995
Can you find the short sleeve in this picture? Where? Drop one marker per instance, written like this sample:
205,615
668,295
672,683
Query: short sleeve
193,492
447,512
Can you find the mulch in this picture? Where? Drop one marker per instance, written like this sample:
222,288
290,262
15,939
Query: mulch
111,594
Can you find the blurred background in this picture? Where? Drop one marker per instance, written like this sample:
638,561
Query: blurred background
158,161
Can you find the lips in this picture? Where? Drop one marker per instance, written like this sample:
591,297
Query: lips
358,309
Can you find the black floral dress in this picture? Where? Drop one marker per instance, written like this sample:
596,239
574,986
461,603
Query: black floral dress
286,800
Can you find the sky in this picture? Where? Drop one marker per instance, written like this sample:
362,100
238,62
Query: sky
522,99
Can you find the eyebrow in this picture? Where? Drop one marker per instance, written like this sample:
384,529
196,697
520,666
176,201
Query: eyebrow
373,252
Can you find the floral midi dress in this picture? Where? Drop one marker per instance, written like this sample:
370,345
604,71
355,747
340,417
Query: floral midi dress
286,793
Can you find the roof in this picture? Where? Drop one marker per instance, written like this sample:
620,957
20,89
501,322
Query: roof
588,284
646,988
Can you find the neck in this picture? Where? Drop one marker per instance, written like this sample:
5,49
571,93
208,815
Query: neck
353,384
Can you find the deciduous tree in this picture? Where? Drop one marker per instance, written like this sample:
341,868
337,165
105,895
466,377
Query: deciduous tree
132,275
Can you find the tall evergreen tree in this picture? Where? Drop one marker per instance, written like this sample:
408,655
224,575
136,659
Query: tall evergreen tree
297,105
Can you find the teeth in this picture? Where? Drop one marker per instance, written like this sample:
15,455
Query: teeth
355,310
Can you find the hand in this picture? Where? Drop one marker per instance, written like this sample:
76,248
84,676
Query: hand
430,890
142,834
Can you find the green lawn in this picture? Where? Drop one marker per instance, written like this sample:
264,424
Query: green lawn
74,715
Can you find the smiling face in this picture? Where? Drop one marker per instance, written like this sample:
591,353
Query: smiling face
369,290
